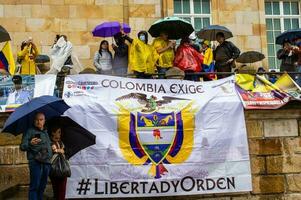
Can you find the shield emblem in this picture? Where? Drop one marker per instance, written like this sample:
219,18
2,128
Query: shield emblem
156,133
156,139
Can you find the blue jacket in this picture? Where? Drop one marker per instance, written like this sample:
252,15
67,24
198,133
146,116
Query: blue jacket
32,150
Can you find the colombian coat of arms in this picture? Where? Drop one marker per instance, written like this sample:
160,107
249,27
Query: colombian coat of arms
155,132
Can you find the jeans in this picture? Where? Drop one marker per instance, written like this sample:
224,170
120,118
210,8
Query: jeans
120,71
161,72
38,179
223,68
104,72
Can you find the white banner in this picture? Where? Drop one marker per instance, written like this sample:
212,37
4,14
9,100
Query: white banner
19,89
157,137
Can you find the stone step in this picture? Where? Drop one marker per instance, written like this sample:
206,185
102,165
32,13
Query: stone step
21,193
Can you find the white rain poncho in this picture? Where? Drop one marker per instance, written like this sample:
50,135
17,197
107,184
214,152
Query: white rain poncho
59,53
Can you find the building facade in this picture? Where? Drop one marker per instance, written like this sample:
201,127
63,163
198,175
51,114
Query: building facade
254,23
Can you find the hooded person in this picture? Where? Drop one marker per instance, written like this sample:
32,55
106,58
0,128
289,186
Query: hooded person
188,60
60,55
208,62
26,57
142,56
193,41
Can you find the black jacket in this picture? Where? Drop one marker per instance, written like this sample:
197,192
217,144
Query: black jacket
287,62
229,48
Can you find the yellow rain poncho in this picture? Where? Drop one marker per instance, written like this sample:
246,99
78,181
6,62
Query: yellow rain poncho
142,57
27,56
166,58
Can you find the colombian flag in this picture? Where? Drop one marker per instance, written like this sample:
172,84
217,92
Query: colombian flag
7,61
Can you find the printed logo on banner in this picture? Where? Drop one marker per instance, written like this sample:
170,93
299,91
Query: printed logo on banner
158,132
83,85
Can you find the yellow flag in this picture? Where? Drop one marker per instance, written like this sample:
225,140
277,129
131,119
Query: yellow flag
287,84
7,61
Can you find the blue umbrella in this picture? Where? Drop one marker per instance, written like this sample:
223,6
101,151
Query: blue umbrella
209,32
22,118
289,35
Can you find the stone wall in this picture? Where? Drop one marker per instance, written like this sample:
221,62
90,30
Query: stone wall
275,151
246,19
43,19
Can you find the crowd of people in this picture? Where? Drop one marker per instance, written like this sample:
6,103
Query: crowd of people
162,58
143,60
138,57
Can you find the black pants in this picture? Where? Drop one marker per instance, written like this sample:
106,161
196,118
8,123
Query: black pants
142,75
223,68
60,79
191,76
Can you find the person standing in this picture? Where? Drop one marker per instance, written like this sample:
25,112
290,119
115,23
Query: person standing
224,55
26,57
60,54
208,62
188,60
58,147
288,57
103,59
37,145
120,60
142,56
165,48
193,41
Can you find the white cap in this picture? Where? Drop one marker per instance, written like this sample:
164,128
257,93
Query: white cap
192,36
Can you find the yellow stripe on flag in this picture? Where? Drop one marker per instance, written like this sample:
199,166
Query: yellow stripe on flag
7,51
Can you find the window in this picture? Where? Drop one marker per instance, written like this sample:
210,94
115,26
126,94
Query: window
197,12
280,16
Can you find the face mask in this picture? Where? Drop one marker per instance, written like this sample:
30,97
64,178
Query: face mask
142,38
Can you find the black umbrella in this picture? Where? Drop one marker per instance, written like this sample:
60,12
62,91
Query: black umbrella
209,32
250,57
4,36
289,35
74,136
175,27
